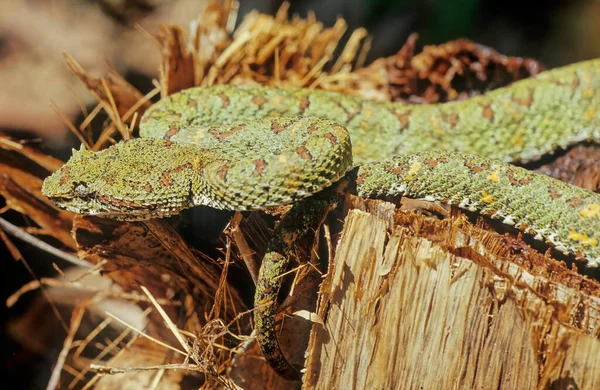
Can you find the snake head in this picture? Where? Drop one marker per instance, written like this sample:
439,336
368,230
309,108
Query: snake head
133,180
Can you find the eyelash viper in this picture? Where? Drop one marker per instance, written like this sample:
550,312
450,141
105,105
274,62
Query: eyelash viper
244,148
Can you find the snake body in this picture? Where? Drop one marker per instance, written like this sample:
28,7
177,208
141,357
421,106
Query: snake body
245,148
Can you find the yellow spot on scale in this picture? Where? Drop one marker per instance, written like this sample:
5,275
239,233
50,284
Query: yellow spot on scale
487,198
493,177
282,159
590,211
589,114
587,93
368,114
582,238
517,117
517,138
196,163
359,148
414,168
363,125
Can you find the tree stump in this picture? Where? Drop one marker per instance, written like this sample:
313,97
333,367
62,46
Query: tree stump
420,303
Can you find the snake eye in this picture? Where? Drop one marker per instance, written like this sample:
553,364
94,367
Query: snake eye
81,190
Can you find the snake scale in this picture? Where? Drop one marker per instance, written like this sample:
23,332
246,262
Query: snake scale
251,147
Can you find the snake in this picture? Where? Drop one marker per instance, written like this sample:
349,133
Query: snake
252,147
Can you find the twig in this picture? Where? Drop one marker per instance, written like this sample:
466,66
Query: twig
22,235
78,313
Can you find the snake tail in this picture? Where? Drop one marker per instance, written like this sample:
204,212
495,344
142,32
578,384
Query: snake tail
302,221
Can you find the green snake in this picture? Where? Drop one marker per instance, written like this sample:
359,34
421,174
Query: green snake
252,147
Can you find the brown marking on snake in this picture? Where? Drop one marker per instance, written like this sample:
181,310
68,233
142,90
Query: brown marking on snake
110,179
451,119
554,194
259,101
526,102
225,99
223,135
488,112
361,179
277,127
166,180
339,127
576,82
475,168
575,202
519,182
222,172
259,166
398,170
64,177
331,138
304,153
312,128
148,187
169,143
173,129
403,118
120,203
304,104
434,162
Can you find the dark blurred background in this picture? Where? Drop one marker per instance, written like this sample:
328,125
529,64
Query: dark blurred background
34,33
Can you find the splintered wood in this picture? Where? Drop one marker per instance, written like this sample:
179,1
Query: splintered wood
423,303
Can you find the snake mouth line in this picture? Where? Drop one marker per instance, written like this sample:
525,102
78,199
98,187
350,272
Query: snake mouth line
112,208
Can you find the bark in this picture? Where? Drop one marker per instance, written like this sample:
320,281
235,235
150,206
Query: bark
414,302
